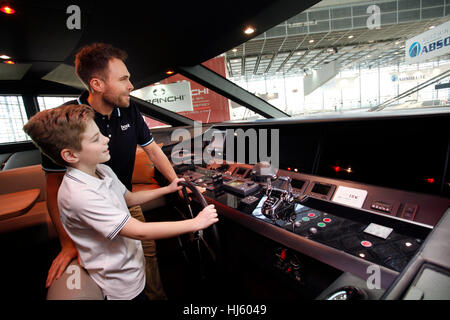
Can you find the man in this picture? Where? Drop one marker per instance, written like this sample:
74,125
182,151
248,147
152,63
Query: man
102,69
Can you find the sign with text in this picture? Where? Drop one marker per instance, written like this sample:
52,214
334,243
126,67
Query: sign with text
427,45
209,106
175,96
350,196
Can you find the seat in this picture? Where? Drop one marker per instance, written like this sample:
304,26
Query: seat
23,159
24,178
74,284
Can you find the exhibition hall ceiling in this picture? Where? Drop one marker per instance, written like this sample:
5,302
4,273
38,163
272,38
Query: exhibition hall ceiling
358,34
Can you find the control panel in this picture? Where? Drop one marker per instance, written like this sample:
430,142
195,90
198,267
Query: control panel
371,223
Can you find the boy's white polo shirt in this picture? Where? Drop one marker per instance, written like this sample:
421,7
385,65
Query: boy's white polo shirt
93,211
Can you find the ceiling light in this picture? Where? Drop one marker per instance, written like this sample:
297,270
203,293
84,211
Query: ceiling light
431,27
249,30
311,41
7,9
4,56
350,36
234,50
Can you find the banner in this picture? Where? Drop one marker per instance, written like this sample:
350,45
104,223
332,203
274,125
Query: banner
430,44
418,75
205,105
209,106
175,96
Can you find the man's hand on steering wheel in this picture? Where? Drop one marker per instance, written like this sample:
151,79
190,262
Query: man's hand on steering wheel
180,192
174,185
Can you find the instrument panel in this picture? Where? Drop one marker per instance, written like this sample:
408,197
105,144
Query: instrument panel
347,225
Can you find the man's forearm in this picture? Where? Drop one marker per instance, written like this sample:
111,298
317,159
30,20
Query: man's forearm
160,161
165,167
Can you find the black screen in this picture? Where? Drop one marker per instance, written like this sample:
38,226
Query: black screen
240,171
321,189
298,184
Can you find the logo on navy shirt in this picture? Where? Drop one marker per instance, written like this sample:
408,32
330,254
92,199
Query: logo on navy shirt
125,127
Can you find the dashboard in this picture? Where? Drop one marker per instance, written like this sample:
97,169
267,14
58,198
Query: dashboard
350,194
346,225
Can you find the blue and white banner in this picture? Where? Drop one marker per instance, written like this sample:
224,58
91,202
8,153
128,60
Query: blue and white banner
427,45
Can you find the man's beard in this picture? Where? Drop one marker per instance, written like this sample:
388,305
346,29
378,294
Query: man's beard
115,101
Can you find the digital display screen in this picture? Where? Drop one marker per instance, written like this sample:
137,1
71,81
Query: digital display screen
321,188
236,183
298,184
240,171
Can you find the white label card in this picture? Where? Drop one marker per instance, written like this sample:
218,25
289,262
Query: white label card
378,231
350,196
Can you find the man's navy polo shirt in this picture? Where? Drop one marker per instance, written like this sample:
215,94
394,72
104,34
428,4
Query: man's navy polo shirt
125,129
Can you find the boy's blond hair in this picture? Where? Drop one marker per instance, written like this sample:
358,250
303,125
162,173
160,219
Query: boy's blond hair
60,128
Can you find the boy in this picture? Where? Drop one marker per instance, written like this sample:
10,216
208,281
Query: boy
94,203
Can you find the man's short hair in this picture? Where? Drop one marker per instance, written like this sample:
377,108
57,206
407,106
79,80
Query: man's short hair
92,61
56,129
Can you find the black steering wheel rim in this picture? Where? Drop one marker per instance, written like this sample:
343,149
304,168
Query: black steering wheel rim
213,228
194,190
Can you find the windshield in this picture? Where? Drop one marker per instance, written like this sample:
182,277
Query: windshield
355,57
332,59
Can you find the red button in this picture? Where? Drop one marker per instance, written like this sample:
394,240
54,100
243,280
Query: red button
327,220
366,244
311,215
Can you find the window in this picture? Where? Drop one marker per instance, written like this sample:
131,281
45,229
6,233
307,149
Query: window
50,102
12,119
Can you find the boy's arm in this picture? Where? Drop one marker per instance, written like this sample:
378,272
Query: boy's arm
159,230
140,197
68,250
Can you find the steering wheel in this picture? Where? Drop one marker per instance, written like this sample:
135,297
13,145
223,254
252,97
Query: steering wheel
213,246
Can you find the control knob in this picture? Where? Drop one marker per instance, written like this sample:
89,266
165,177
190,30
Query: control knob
347,293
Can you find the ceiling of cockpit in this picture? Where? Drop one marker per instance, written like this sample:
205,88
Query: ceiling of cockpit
43,36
